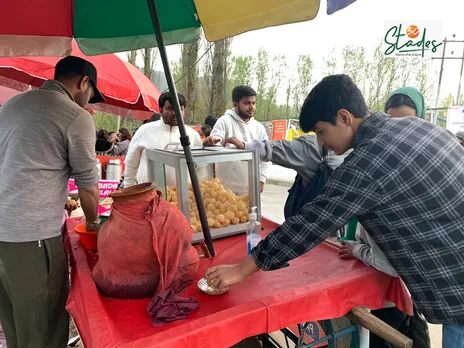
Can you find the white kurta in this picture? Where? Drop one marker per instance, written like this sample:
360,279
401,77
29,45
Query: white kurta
151,136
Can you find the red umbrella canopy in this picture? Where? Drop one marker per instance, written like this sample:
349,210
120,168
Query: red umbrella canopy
124,86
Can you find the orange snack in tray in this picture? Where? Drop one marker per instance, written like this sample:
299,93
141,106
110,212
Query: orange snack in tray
223,207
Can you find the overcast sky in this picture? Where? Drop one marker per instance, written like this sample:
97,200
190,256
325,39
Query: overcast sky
360,24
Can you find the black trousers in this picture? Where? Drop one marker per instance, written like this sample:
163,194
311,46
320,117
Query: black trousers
414,327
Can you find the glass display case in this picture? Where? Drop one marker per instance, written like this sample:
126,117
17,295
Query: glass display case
229,183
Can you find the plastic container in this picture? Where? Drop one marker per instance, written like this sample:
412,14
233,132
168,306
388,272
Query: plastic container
88,239
114,170
253,230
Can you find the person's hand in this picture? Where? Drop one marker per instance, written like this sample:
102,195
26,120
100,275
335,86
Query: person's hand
261,186
234,141
222,277
211,141
71,205
346,250
92,226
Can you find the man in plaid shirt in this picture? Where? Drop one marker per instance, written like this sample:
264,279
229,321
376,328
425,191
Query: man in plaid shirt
404,182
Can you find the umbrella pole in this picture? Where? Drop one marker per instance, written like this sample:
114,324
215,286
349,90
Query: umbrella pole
184,139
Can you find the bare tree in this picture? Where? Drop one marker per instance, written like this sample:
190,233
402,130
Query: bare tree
288,96
262,72
356,65
330,62
205,71
217,100
188,85
132,57
423,80
277,69
383,79
305,75
149,58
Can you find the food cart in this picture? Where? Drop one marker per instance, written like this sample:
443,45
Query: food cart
317,286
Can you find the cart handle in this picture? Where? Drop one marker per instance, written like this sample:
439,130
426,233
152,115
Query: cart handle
380,328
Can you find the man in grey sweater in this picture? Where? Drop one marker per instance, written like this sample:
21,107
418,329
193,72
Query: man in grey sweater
47,137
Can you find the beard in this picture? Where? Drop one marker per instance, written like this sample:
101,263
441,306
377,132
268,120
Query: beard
243,115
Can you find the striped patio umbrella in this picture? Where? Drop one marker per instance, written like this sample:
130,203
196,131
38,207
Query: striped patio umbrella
123,85
45,28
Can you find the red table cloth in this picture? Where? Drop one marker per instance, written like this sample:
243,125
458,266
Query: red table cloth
316,286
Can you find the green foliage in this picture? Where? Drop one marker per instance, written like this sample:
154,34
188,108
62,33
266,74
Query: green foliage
130,123
106,121
305,75
274,80
242,70
276,72
330,62
378,76
448,101
109,122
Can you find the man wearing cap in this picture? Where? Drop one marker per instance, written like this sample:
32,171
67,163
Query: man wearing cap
47,137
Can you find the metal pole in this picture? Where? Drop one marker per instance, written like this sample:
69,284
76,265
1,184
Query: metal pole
119,124
437,100
184,139
458,97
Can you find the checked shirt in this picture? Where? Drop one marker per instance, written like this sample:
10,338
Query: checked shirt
404,182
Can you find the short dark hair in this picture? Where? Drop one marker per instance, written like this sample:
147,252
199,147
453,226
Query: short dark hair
333,93
211,121
166,96
206,129
240,92
399,100
155,117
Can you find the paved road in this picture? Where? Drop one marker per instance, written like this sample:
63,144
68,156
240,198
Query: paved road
272,202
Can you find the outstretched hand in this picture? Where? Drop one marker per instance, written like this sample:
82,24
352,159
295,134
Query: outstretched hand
211,141
223,276
346,250
234,141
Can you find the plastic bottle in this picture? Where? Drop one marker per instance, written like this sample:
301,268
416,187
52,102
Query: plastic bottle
253,230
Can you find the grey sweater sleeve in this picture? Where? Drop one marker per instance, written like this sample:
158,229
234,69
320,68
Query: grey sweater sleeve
302,154
81,140
370,254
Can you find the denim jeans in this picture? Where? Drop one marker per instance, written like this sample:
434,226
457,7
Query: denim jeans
453,336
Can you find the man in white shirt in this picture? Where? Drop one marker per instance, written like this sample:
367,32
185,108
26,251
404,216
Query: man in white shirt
155,135
239,122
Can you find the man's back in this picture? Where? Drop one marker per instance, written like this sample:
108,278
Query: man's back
417,218
404,182
43,132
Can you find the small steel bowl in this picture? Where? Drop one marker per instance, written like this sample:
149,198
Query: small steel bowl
209,290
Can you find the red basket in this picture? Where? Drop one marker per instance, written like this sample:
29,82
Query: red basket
88,239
